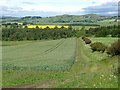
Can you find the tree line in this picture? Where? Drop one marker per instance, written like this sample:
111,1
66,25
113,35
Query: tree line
57,33
19,34
104,31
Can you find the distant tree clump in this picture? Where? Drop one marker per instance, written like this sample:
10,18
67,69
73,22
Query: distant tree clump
24,23
104,31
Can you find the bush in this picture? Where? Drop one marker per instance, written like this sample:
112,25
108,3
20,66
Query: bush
114,49
87,41
98,46
83,38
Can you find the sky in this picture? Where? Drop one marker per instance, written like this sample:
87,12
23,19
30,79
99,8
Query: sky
46,8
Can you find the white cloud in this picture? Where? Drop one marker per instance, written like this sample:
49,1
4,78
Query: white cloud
54,6
109,8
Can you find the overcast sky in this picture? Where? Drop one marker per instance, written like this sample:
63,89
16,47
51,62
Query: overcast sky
57,7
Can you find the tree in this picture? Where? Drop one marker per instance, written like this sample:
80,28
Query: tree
47,28
26,26
62,27
37,27
55,27
70,27
24,23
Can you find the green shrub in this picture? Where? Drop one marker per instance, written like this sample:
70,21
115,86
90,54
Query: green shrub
98,46
87,41
83,38
114,49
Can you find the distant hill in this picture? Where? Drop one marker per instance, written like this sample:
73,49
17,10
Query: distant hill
64,19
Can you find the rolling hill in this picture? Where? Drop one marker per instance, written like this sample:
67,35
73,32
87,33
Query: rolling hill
60,19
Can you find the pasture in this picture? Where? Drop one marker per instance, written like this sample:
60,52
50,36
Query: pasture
107,41
90,70
86,27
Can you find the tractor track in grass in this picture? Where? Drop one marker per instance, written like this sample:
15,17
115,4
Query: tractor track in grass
47,83
44,52
79,71
83,74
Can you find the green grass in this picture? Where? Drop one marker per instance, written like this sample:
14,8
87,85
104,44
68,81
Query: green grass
13,43
107,41
40,55
86,27
90,70
104,23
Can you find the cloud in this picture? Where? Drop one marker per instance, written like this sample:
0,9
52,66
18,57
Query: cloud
29,3
38,11
44,8
109,8
18,11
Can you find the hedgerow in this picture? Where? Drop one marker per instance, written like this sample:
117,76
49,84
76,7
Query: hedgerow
19,34
98,46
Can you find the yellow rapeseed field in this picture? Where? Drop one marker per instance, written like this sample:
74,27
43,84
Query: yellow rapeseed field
44,26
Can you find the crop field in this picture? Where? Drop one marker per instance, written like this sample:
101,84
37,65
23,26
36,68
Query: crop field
44,26
39,55
111,20
86,27
90,70
106,23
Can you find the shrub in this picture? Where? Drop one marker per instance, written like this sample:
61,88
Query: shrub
87,41
114,49
83,38
98,46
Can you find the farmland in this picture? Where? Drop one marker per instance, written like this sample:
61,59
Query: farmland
64,19
90,70
86,27
44,26
107,41
60,51
44,55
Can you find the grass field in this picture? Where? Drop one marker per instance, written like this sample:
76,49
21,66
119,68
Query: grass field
86,27
90,70
107,23
107,41
39,55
